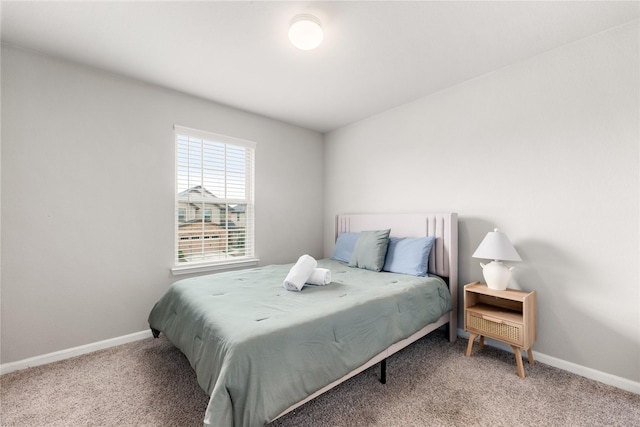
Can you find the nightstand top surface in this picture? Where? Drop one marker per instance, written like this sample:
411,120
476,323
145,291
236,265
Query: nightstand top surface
482,288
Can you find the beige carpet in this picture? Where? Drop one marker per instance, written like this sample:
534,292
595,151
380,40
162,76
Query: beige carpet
432,383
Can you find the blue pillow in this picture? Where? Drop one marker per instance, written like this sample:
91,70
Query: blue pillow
344,246
408,255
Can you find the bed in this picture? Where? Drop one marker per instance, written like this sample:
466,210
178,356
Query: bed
260,351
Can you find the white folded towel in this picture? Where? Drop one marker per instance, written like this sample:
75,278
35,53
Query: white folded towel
320,276
300,273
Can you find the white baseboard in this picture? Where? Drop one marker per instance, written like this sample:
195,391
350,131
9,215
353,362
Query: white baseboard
5,368
592,374
603,377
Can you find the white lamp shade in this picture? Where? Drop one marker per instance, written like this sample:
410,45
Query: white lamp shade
305,32
496,246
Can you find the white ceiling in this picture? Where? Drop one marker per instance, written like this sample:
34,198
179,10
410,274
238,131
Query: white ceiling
375,55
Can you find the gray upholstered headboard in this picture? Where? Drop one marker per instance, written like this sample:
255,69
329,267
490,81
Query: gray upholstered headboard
443,259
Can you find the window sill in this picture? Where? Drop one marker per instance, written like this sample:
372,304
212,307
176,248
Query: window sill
205,267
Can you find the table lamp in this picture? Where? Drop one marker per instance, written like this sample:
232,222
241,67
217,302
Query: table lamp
496,246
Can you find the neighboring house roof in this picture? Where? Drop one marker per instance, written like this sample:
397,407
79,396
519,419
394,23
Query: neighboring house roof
199,189
223,223
194,221
201,193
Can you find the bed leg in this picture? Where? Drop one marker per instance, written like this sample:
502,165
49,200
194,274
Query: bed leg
383,371
155,332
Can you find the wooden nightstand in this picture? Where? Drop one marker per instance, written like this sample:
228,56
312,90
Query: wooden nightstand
508,316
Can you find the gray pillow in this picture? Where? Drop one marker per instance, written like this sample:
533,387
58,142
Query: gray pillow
370,250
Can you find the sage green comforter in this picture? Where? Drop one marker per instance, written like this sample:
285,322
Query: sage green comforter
258,348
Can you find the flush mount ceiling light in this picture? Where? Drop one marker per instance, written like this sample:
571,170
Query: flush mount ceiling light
305,32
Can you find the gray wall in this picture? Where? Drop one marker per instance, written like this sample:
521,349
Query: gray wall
88,193
546,150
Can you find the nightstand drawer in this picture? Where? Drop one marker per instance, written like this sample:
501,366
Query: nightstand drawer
494,327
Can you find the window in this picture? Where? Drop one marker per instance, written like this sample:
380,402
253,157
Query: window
214,207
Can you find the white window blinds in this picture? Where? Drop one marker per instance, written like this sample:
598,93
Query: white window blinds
214,209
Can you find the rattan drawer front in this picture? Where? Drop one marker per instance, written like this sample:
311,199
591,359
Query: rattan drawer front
496,328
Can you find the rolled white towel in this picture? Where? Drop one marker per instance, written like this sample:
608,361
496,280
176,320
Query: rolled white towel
300,273
320,277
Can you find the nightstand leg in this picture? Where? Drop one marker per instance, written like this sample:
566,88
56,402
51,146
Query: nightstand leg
472,337
530,354
516,350
481,342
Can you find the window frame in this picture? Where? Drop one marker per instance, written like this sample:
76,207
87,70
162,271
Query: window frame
248,260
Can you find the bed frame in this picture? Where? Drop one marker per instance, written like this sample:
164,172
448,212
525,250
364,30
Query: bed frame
443,261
